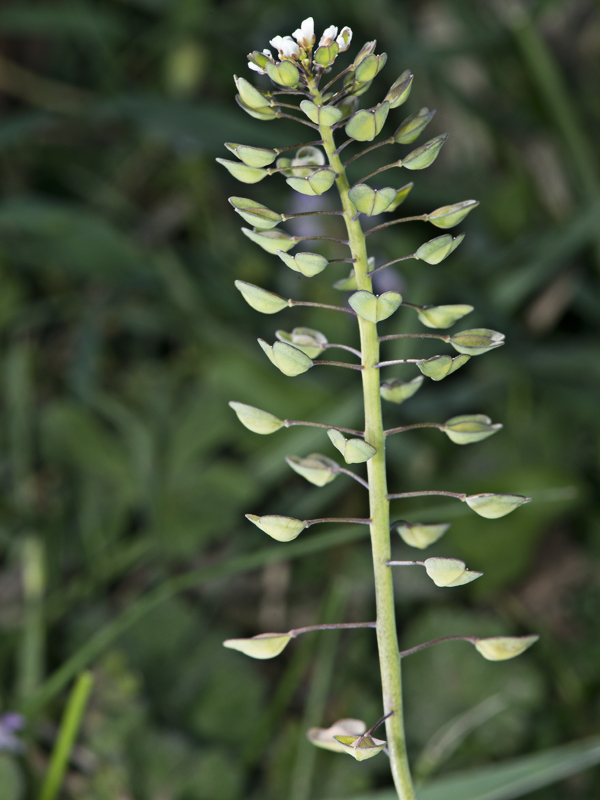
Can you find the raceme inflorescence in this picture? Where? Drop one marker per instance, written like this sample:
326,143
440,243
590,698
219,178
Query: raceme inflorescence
331,111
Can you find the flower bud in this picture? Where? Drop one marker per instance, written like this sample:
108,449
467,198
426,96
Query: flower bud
284,529
400,197
470,428
493,506
348,284
426,154
501,648
449,572
255,213
442,316
265,645
436,250
439,367
366,124
321,115
420,535
326,55
412,127
272,240
308,264
369,67
449,216
361,747
316,469
323,737
255,419
286,358
250,95
242,172
260,299
252,156
397,391
372,201
284,74
355,451
400,89
476,341
308,340
314,184
373,308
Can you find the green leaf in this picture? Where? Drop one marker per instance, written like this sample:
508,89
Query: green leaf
436,250
314,184
366,124
412,127
12,784
317,469
373,308
272,240
372,201
355,451
400,89
470,428
321,115
442,316
260,299
397,391
255,419
283,529
426,154
265,645
308,264
420,535
242,172
252,156
255,213
449,216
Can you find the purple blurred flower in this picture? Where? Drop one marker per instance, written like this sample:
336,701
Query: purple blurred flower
9,724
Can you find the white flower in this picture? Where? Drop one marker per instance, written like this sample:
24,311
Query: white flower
305,34
285,46
256,68
328,36
344,39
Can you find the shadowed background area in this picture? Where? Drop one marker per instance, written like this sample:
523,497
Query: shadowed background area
124,475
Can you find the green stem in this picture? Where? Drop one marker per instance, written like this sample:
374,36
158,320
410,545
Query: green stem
379,505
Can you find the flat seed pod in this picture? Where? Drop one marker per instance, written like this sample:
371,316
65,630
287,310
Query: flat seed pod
348,284
242,172
265,645
323,737
426,154
476,341
412,127
501,648
321,115
397,391
264,113
316,469
272,240
355,451
371,201
400,197
493,506
310,341
314,184
449,572
361,747
290,360
250,95
373,308
252,156
308,264
326,54
255,419
366,124
442,316
436,250
370,67
400,90
470,428
255,213
283,529
260,299
439,367
421,535
284,74
449,216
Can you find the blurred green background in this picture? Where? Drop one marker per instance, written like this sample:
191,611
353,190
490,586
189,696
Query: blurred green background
124,475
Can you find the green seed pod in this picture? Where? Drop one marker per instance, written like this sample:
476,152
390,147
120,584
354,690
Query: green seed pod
365,50
286,358
264,113
369,67
373,308
476,341
255,213
439,367
326,55
493,506
366,124
400,89
348,284
355,451
314,184
348,106
323,737
310,341
442,316
372,201
255,419
284,74
449,572
242,172
265,645
449,216
283,529
250,95
501,648
305,160
426,154
361,747
470,428
436,250
327,115
397,391
317,469
412,127
258,58
272,240
419,535
260,299
400,197
308,264
252,156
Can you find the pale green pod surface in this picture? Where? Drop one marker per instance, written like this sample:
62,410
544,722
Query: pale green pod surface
264,113
290,360
255,213
308,264
412,127
366,124
372,201
260,299
449,572
252,156
307,156
255,419
449,216
326,55
359,747
250,95
324,115
369,67
493,506
397,391
323,737
265,645
426,154
272,240
314,184
308,340
439,367
442,316
316,469
242,172
401,196
258,58
436,250
421,535
400,89
267,350
355,451
283,529
372,308
348,106
348,284
470,428
501,648
476,341
284,74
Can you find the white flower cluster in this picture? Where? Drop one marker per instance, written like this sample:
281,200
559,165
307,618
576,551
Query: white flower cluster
305,38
